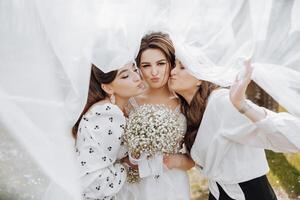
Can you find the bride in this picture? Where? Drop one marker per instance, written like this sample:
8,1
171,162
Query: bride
155,60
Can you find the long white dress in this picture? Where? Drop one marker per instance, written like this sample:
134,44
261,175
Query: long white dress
172,184
98,148
229,148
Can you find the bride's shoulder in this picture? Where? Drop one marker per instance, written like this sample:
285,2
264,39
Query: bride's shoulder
140,99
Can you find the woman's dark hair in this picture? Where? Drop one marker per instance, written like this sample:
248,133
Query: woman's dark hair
157,40
95,93
194,112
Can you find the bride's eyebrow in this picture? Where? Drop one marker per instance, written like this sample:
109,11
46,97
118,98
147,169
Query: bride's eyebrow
161,60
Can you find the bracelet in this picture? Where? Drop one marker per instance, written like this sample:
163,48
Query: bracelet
136,161
245,106
265,112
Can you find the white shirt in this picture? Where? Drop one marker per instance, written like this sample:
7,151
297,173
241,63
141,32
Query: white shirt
229,148
98,147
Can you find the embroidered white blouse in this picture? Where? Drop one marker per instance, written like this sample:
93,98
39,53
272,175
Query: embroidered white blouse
98,147
229,148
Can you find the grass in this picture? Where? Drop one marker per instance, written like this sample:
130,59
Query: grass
285,172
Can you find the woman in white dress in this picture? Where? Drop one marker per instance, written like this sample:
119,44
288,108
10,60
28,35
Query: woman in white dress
155,59
99,129
227,135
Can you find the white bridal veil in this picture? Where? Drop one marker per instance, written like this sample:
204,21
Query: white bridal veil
213,39
46,48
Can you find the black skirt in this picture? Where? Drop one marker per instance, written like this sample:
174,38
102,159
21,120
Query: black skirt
255,189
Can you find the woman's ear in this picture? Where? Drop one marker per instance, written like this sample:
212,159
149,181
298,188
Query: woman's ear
107,88
199,83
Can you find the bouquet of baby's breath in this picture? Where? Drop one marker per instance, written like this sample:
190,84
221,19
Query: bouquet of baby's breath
153,128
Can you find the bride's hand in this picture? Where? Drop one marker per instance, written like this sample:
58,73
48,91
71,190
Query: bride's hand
127,162
239,87
178,161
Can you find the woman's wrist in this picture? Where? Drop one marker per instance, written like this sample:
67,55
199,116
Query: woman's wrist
179,161
242,106
252,112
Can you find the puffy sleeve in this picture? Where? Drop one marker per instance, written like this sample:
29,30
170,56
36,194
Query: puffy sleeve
278,131
97,146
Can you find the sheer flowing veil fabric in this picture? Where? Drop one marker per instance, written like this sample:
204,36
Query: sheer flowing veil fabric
218,37
46,51
44,75
47,47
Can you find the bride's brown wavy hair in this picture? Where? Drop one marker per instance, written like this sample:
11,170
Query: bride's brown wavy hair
95,93
157,40
195,110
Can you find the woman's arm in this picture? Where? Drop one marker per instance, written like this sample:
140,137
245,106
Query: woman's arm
178,161
102,175
275,131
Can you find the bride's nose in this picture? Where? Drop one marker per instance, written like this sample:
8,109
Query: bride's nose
154,71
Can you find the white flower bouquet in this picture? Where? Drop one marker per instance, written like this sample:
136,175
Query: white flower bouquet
152,129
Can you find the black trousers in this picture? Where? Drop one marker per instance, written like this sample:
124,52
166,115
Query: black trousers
255,189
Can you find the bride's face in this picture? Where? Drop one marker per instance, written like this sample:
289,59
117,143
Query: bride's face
128,82
155,68
181,81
